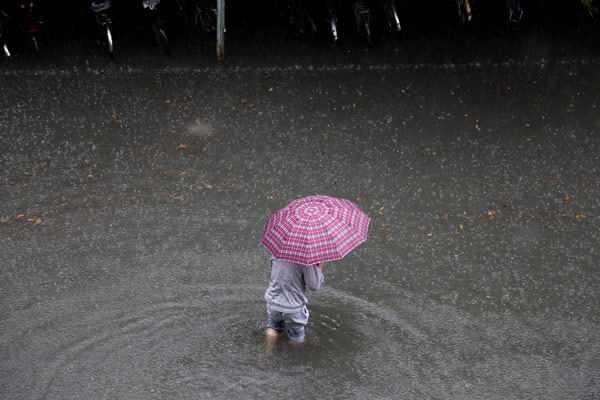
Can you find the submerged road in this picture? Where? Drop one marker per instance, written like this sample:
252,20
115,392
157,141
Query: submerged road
133,195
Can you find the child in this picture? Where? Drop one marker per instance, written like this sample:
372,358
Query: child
286,302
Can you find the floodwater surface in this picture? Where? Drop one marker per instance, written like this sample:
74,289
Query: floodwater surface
134,194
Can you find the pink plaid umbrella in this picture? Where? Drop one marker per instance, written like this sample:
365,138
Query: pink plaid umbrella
315,229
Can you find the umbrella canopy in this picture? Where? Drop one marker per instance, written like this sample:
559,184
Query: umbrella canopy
315,229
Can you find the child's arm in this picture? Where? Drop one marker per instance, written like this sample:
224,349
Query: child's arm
313,276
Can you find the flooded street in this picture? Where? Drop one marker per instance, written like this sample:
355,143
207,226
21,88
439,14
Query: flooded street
134,192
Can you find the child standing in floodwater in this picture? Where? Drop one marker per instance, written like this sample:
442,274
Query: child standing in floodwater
286,299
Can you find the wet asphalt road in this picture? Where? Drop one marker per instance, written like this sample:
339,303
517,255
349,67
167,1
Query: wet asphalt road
134,193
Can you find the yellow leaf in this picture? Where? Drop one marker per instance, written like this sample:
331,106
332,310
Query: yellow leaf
380,212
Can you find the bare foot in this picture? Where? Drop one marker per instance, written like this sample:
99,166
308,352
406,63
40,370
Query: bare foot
272,333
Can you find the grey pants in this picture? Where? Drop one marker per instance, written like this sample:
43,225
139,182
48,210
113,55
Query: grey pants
294,323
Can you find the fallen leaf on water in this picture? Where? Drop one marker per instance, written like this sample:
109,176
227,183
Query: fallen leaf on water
492,214
184,98
387,236
380,212
130,152
244,101
564,215
445,216
526,216
358,199
167,101
222,143
542,212
460,227
208,186
466,217
429,234
271,198
270,90
36,221
583,178
175,197
250,105
90,176
166,173
182,146
147,189
183,173
566,199
551,177
19,216
4,221
44,164
580,216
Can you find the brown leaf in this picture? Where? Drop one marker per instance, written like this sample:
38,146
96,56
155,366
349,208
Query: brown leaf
183,173
492,214
166,173
147,189
542,212
466,217
551,177
270,90
580,216
4,221
19,216
526,216
271,198
182,146
44,164
566,199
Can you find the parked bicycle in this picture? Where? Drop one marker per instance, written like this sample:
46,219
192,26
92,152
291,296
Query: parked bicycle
332,19
157,23
199,16
101,9
515,12
4,32
33,25
300,19
464,10
391,15
362,14
591,7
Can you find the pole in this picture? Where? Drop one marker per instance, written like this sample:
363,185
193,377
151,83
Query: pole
220,30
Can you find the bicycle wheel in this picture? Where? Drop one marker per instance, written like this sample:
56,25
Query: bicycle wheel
109,40
35,44
367,25
333,26
393,16
163,40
